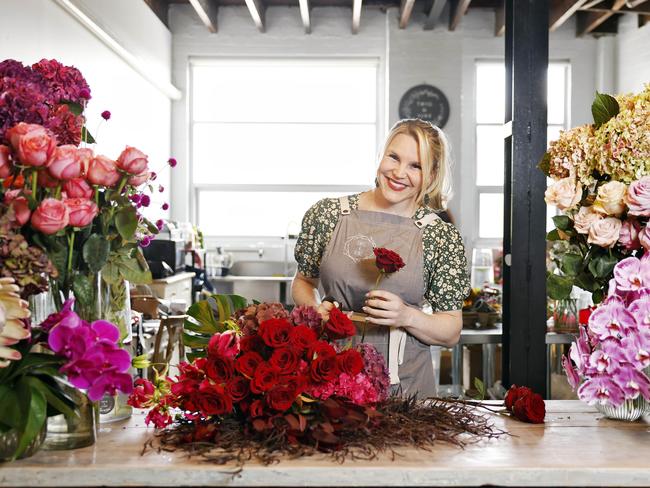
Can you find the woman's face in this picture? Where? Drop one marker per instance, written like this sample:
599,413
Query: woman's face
400,172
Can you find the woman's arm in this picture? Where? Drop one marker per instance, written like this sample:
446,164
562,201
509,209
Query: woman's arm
440,328
304,291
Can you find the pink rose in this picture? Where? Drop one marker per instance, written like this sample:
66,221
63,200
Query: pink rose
50,216
102,171
564,194
629,235
584,218
47,180
132,161
644,238
84,155
5,163
77,188
638,197
605,232
20,206
64,163
81,210
139,179
34,143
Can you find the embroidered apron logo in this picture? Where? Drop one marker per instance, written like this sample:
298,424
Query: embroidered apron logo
359,247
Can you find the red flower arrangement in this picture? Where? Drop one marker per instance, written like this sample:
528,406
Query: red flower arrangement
525,405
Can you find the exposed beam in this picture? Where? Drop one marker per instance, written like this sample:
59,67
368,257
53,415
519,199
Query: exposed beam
500,20
434,14
641,9
561,11
161,9
456,12
356,16
257,10
588,21
304,14
207,12
643,20
592,3
405,9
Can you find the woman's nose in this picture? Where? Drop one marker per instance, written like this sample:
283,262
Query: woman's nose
400,171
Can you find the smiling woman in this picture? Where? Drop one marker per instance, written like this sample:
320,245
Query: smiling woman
335,251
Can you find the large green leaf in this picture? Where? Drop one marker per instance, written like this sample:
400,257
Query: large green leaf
558,287
33,361
602,266
56,399
95,252
10,413
553,236
126,222
195,341
83,290
87,136
571,264
604,108
34,410
562,222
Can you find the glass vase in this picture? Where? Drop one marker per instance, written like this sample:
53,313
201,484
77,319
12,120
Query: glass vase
9,444
41,306
565,315
630,410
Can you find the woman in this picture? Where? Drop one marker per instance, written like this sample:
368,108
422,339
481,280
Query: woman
335,250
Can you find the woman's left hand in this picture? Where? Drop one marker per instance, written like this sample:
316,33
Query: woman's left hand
386,308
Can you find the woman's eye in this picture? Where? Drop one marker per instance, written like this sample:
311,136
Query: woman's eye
416,165
393,156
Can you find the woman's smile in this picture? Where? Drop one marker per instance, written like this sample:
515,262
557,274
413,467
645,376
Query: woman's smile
395,185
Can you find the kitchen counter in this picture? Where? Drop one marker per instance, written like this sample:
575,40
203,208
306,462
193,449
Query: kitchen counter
576,447
231,278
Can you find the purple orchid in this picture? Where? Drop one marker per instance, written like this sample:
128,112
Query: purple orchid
611,319
108,383
602,389
66,317
632,382
571,374
602,362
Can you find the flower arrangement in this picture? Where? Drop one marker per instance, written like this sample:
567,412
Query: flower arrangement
608,362
602,187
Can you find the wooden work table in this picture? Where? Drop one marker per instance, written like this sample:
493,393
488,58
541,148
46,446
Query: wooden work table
576,447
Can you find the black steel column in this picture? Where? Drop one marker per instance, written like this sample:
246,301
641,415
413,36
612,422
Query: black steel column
524,313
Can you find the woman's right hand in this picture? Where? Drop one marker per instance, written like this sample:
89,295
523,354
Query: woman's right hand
325,307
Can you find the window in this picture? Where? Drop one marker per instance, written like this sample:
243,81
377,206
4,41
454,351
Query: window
489,112
270,137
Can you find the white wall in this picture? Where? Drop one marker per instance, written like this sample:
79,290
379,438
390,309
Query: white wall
34,29
632,55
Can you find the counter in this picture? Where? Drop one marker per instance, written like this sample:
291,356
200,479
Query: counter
576,447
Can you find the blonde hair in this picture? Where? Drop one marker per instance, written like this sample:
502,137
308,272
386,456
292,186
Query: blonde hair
435,158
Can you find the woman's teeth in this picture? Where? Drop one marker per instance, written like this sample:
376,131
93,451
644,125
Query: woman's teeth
394,185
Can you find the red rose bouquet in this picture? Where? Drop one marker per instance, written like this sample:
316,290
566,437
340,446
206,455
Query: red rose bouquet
522,403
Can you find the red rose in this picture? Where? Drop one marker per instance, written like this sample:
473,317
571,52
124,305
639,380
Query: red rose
530,408
350,362
184,387
281,398
192,370
319,349
302,337
238,388
257,408
298,382
339,325
324,368
387,261
247,363
212,400
275,332
219,369
515,393
284,360
265,378
251,343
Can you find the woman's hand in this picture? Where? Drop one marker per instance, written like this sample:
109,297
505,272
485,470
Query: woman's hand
386,308
325,307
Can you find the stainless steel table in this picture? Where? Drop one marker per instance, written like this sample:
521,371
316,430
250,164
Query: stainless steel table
488,338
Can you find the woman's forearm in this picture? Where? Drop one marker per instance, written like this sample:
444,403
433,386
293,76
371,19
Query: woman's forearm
304,291
440,328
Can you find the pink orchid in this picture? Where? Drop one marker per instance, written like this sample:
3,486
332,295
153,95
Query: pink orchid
225,344
571,374
640,308
601,389
632,274
580,351
636,348
602,362
632,382
611,319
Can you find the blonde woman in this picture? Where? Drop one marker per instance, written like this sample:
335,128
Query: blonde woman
334,252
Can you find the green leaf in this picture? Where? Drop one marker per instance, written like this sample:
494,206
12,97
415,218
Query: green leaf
480,387
558,287
126,222
602,266
33,408
195,341
10,412
587,282
57,399
86,136
545,164
604,108
201,318
597,296
95,252
562,222
83,290
74,107
571,264
553,236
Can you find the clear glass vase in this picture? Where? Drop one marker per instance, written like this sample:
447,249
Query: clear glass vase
630,410
565,315
9,444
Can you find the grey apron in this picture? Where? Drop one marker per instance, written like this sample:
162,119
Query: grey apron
348,272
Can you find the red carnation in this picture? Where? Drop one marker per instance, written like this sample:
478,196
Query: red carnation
302,337
265,378
248,362
284,360
324,368
339,325
275,332
219,369
238,388
387,261
281,398
350,362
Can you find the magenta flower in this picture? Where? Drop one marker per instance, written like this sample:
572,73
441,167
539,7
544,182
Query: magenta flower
571,374
632,274
160,223
165,206
145,200
109,383
602,362
172,162
66,317
161,188
224,345
145,241
640,309
611,319
153,175
632,382
106,115
601,389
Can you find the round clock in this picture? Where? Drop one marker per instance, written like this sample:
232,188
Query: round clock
425,102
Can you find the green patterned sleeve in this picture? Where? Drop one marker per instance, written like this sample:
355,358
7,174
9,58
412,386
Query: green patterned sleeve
448,283
317,225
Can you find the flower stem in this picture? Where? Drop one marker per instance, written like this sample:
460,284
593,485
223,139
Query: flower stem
122,183
70,249
34,180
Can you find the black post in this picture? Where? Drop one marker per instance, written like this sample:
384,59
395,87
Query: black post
524,320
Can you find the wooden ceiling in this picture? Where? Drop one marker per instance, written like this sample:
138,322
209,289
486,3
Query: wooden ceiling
593,17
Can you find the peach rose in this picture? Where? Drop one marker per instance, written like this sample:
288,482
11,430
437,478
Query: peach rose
50,216
77,188
64,163
629,236
638,197
139,179
605,232
584,218
132,161
85,155
20,206
5,162
33,143
102,171
81,210
564,193
610,198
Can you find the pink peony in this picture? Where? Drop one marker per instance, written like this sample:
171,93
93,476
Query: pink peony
638,197
5,161
33,143
81,211
102,171
132,161
65,163
50,216
628,238
77,188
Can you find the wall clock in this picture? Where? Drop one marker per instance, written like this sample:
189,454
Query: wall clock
425,102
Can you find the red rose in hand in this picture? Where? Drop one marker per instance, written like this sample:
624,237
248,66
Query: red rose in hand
275,332
265,378
248,362
50,216
530,408
302,337
387,261
284,360
339,325
324,368
515,393
281,398
350,362
238,388
219,369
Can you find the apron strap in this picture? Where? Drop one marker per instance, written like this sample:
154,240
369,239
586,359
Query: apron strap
345,205
426,220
